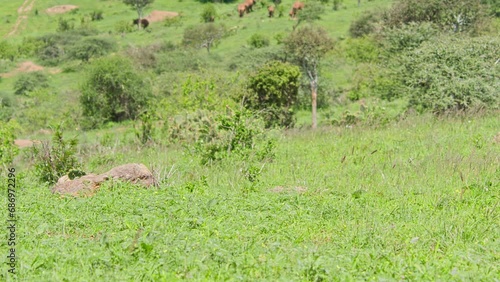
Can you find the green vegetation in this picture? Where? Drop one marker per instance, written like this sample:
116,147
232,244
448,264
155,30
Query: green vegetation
357,140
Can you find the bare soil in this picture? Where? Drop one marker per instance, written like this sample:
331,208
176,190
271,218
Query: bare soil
61,9
158,16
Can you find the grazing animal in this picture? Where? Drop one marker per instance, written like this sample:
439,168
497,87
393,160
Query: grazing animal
270,9
297,6
249,5
241,9
144,22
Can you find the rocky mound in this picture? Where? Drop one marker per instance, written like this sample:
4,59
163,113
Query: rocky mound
88,185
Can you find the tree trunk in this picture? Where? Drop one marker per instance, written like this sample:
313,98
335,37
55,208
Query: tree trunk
314,98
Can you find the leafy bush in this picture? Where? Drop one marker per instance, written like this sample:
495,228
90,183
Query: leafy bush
28,82
408,36
452,15
258,41
237,133
57,159
91,47
7,106
64,25
8,150
208,14
453,74
7,51
274,89
365,24
362,49
206,90
124,26
96,15
113,91
30,46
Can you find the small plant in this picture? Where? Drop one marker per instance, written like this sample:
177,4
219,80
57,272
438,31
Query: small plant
29,82
258,41
145,133
124,27
57,159
96,15
209,14
238,134
64,25
8,150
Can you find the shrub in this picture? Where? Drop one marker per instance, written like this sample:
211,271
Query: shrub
8,150
57,159
453,74
365,24
30,47
208,14
124,26
362,49
408,36
7,106
96,15
7,51
236,134
113,91
452,15
206,90
64,25
28,82
258,41
274,89
91,47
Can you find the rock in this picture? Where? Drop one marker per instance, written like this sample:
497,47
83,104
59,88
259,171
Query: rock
135,173
88,185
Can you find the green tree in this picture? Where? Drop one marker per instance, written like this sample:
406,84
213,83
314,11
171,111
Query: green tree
139,6
113,91
203,36
308,46
275,87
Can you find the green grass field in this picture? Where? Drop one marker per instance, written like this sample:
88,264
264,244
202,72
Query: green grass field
416,198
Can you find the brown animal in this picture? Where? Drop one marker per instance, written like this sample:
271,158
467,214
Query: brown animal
249,5
297,6
270,9
241,9
144,22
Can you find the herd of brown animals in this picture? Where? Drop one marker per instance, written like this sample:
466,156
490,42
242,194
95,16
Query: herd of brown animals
247,6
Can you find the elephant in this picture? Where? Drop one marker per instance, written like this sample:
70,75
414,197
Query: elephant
241,9
270,9
249,5
144,22
295,8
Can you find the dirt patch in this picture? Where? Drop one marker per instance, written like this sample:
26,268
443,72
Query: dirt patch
23,143
158,16
24,8
496,139
61,9
28,66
